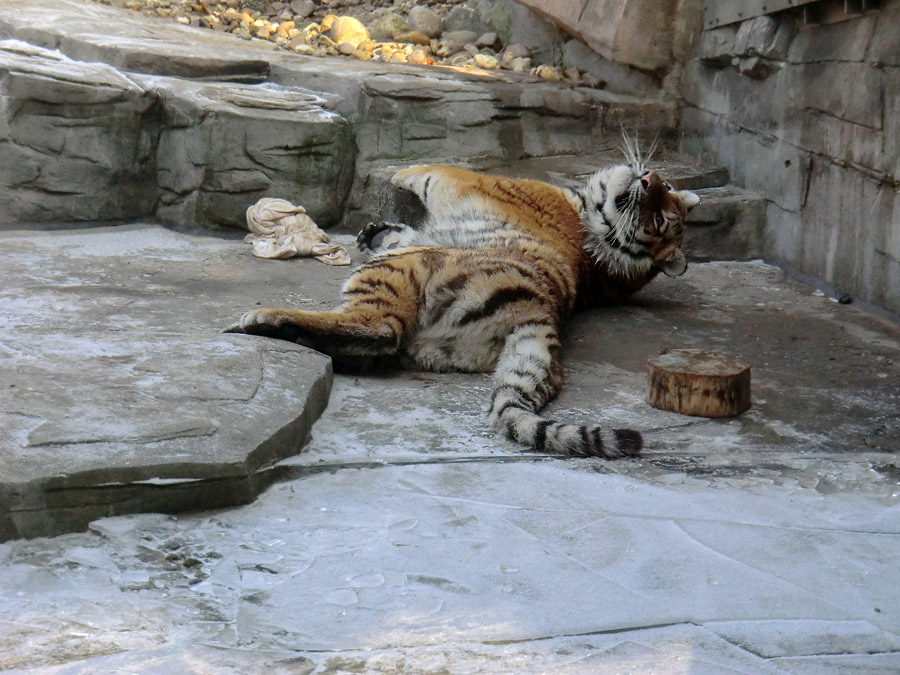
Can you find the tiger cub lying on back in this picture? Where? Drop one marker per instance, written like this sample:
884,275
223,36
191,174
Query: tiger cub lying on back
488,281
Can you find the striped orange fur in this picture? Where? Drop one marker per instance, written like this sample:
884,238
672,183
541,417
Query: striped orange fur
487,282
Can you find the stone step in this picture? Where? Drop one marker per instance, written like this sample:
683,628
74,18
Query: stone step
727,224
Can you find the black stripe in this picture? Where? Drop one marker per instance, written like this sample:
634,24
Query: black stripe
536,377
629,441
539,440
376,283
399,318
598,442
523,394
582,198
623,200
449,293
495,302
610,238
503,408
585,440
375,301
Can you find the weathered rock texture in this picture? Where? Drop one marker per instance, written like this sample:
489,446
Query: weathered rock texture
806,115
192,126
69,132
119,393
223,146
638,33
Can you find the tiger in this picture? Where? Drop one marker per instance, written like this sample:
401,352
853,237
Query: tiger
486,282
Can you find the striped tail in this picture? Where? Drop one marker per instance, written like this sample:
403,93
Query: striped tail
525,379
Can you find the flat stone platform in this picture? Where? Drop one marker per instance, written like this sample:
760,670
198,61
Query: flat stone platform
119,393
405,536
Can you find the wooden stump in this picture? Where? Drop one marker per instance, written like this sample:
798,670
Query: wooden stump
695,382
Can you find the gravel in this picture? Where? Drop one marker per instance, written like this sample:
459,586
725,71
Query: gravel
310,28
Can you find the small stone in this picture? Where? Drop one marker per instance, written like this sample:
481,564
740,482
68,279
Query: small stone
425,20
516,51
415,38
488,40
360,54
520,64
417,57
303,8
487,62
346,48
592,81
304,48
573,74
460,37
389,27
547,73
184,20
398,57
348,29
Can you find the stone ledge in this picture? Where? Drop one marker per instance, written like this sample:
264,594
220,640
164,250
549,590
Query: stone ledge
120,395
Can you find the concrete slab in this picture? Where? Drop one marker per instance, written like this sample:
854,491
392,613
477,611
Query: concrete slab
407,537
119,393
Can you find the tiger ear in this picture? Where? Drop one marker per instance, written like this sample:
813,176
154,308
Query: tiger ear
675,264
688,198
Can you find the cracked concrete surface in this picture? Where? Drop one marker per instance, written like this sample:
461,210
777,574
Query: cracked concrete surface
406,536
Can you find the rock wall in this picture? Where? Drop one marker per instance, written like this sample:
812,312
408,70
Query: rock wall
638,33
806,115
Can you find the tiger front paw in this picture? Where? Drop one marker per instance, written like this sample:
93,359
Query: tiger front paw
380,236
265,322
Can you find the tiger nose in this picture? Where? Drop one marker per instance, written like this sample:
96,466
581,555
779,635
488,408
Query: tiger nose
651,180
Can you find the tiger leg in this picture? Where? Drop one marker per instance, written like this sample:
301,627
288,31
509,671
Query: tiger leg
526,377
443,190
379,309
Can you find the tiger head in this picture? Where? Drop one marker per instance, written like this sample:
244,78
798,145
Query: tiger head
634,220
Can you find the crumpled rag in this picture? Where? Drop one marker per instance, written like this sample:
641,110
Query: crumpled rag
279,229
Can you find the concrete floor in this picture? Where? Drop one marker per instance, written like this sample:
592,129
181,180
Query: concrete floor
406,536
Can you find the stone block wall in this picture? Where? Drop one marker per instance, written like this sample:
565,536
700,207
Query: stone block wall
808,115
68,131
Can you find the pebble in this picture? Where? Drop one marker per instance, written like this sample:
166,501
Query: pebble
303,8
389,27
516,50
425,20
488,40
346,29
291,24
486,61
547,73
417,57
520,64
414,37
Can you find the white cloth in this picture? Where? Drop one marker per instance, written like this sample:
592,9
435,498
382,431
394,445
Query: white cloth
279,229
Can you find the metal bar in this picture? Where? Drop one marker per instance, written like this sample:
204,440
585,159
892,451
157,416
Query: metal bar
724,12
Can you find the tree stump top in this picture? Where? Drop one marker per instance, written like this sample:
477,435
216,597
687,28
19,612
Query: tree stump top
696,382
